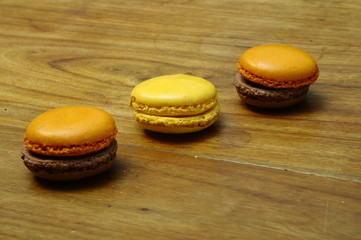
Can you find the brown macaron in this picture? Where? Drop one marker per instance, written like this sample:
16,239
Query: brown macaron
274,76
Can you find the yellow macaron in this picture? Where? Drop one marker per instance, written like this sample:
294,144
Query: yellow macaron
175,104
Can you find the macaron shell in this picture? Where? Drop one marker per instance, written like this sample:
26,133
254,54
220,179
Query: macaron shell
267,97
73,130
174,95
70,168
278,66
179,130
185,124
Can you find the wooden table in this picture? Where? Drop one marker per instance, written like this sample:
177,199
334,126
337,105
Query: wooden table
256,174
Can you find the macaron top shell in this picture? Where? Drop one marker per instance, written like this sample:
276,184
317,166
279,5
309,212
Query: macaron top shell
278,66
174,95
67,131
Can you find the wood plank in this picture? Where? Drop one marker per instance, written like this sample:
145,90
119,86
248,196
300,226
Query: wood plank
161,195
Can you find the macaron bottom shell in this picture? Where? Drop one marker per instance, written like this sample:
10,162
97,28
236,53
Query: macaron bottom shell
263,97
178,124
71,167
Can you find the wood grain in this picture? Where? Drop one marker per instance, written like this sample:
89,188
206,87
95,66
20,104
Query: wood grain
256,174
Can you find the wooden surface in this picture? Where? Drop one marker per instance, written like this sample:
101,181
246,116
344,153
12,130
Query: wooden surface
256,174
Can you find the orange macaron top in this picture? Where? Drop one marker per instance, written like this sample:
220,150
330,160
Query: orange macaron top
70,131
278,66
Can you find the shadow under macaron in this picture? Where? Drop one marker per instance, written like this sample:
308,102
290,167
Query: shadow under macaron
183,138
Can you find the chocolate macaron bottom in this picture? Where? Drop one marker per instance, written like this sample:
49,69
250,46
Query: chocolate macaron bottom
70,168
263,97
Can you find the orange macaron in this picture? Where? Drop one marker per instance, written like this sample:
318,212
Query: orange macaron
70,143
275,75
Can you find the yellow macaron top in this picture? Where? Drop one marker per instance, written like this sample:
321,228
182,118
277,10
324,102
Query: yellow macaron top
81,128
280,63
177,94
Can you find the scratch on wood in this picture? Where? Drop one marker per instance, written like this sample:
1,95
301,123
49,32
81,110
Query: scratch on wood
155,39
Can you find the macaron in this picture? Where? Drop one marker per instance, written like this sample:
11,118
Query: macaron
175,104
70,143
274,75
